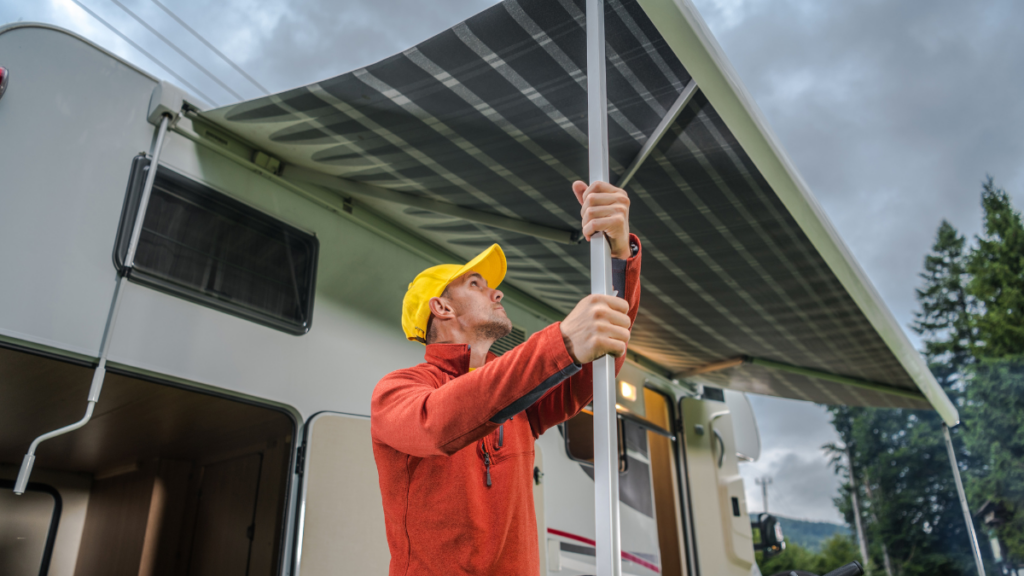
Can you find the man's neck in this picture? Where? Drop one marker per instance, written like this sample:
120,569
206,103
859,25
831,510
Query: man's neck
478,348
478,353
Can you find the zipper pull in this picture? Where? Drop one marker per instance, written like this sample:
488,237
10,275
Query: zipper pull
501,435
487,465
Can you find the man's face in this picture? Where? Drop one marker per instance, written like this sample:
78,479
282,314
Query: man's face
478,307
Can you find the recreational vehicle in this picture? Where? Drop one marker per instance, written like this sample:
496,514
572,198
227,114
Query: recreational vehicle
196,303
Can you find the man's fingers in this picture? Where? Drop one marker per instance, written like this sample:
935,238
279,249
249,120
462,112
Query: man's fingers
579,188
614,302
605,198
603,211
601,225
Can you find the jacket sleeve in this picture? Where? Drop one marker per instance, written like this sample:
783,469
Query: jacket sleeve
412,414
565,401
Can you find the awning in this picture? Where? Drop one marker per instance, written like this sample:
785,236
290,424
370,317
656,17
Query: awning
478,132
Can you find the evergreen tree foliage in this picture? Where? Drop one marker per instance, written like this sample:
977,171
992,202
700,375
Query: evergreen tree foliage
971,322
995,435
907,495
837,551
945,319
994,412
997,270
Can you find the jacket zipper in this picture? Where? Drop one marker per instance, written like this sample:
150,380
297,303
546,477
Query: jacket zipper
501,436
487,465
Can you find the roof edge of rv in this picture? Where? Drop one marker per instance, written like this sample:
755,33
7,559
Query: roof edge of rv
690,39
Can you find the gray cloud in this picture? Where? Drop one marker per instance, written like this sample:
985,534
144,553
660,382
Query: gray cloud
803,484
892,112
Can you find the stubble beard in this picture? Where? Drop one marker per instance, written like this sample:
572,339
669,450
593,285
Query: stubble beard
495,328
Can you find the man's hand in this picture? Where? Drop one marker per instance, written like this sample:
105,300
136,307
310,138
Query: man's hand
605,208
598,325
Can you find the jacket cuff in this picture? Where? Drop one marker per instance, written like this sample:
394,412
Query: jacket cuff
619,266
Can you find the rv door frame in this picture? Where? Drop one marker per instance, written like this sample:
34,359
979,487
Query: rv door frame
290,492
676,440
285,543
682,475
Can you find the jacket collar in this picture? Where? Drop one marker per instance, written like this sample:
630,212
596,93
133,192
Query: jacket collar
452,358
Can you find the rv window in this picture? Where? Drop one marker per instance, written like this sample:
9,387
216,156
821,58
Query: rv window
201,245
579,439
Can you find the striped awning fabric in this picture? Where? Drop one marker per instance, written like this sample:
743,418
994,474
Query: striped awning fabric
491,115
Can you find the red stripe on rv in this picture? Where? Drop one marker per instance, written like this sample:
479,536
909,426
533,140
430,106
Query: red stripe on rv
625,555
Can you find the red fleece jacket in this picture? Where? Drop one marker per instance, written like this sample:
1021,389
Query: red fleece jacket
454,450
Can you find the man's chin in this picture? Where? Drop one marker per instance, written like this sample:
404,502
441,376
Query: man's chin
497,328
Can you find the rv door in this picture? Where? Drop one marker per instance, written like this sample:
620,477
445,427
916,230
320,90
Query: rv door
725,544
340,528
341,519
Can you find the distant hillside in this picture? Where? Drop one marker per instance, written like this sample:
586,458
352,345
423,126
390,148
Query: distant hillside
810,535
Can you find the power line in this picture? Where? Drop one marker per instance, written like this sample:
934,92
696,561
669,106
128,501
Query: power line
176,49
211,47
147,54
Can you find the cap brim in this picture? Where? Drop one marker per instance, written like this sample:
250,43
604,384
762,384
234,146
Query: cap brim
490,264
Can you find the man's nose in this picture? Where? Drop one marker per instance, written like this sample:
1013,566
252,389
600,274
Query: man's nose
497,295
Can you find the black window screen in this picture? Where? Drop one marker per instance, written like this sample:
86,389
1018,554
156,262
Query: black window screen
198,244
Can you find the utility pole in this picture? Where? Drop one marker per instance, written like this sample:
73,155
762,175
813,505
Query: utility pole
763,482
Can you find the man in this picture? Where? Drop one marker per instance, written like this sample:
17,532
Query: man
453,437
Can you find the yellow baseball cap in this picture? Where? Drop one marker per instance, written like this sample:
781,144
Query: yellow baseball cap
431,284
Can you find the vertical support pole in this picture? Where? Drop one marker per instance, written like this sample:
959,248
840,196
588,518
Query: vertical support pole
606,465
963,501
108,331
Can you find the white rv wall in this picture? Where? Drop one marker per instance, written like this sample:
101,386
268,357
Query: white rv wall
71,120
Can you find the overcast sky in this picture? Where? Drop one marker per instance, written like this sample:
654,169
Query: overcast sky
893,112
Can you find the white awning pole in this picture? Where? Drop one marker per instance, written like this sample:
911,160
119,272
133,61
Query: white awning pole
115,304
963,502
606,465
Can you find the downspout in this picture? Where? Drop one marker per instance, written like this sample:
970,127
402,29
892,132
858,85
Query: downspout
96,387
606,466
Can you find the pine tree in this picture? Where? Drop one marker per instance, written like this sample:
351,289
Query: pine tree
994,411
997,269
945,320
910,509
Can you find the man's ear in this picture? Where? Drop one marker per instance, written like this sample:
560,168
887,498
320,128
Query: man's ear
441,308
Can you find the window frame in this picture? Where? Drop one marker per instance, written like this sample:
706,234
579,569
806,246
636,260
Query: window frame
171,178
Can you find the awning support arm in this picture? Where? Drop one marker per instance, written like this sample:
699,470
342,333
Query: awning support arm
689,91
809,372
963,501
346,187
108,331
606,462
